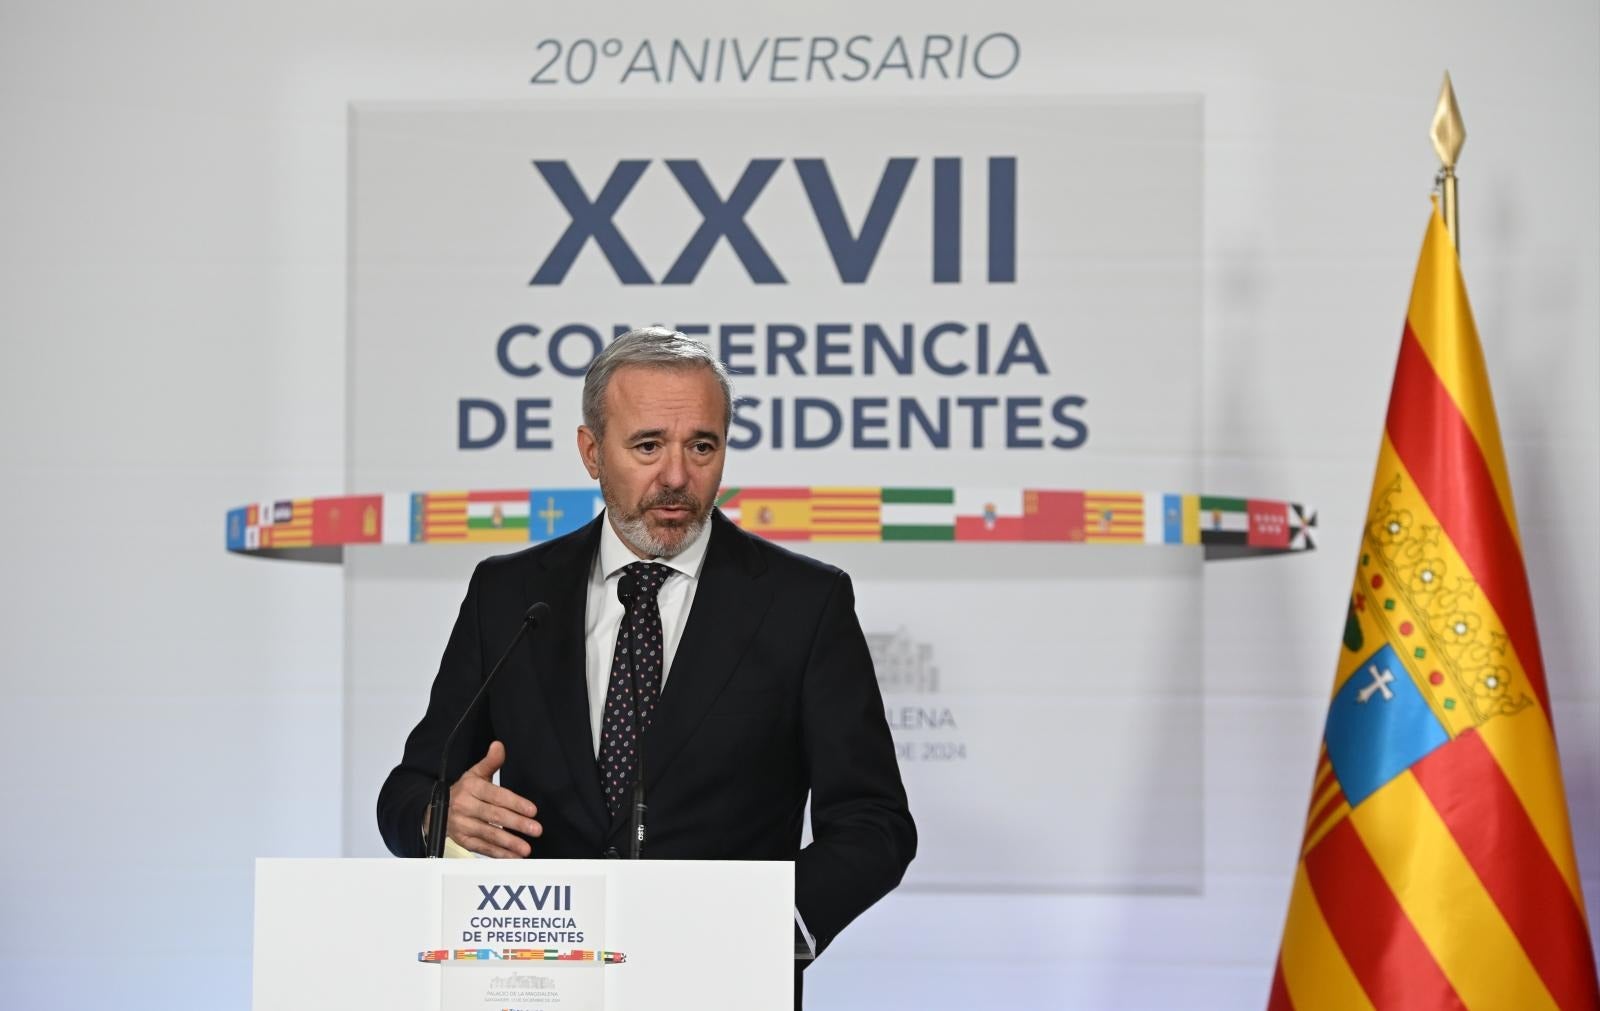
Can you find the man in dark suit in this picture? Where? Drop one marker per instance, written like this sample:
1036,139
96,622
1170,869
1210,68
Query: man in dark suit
734,670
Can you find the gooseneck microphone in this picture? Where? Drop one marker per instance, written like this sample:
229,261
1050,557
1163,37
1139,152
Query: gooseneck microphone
439,798
636,823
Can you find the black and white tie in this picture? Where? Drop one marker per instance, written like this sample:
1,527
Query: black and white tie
635,680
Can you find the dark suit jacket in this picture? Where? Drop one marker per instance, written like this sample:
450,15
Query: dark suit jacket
771,696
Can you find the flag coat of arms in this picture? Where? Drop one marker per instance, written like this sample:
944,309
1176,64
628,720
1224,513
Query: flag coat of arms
1437,867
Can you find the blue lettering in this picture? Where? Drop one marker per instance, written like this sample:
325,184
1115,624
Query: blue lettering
557,339
789,350
827,348
464,412
502,351
1002,220
977,405
727,349
591,220
878,340
1079,429
752,438
860,423
805,440
528,422
946,220
1016,422
853,254
932,361
723,219
1022,350
938,437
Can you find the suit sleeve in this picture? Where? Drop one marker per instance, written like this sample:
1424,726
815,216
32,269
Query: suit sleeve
862,832
404,796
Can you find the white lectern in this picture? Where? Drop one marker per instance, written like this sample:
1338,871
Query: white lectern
533,935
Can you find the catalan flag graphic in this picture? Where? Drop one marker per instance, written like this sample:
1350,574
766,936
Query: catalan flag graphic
1242,527
290,525
846,514
1437,866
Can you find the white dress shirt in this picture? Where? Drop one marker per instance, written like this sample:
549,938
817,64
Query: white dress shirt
603,612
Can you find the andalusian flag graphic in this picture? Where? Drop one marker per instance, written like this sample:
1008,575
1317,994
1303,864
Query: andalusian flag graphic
1437,868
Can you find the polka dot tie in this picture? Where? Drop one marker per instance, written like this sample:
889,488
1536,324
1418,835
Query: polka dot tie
635,680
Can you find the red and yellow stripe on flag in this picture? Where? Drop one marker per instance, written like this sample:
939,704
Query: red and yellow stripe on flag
1111,517
291,525
444,516
779,514
807,514
1437,869
846,514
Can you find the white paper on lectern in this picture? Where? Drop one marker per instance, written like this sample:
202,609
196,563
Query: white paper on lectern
339,934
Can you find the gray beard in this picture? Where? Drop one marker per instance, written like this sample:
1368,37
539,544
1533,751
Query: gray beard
637,535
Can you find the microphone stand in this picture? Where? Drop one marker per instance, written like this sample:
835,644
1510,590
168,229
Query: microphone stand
439,795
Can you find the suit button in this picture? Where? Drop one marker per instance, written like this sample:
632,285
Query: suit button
612,854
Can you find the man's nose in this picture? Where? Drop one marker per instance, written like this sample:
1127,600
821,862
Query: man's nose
674,472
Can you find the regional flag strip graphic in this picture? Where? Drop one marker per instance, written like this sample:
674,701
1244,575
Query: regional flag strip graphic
521,516
436,956
1436,868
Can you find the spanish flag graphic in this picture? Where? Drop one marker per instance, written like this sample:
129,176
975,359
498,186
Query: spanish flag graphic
1437,867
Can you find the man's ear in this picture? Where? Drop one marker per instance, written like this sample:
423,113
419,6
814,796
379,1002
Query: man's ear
589,450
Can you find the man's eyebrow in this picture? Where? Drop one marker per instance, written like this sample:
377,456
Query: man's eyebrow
660,435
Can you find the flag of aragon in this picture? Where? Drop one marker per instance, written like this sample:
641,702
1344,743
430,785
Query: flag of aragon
1437,867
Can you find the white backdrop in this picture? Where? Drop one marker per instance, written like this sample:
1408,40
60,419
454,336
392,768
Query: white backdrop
173,202
1051,657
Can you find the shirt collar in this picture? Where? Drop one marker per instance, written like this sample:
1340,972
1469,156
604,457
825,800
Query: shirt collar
615,555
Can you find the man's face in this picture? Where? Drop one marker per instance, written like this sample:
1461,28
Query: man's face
660,461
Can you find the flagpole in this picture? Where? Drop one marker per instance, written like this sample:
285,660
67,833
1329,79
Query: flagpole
1448,134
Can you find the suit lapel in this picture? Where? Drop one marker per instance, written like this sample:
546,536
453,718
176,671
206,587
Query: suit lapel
729,603
559,665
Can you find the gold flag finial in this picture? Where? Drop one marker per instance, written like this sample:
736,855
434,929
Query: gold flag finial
1448,134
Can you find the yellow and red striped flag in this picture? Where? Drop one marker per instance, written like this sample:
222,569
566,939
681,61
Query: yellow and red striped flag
1437,868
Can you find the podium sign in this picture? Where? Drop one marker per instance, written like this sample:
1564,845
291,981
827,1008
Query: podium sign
535,935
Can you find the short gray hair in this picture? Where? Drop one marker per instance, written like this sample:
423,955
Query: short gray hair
653,347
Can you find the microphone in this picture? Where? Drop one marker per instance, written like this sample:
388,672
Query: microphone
439,797
636,823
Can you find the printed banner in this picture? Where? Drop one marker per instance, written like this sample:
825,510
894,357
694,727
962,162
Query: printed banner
960,323
523,939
